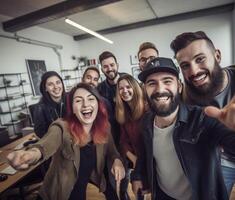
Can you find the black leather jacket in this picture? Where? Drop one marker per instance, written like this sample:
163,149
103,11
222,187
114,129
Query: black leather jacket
196,138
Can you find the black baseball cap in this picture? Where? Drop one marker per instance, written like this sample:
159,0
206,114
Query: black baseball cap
158,64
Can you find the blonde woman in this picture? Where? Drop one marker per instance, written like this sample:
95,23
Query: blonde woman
130,106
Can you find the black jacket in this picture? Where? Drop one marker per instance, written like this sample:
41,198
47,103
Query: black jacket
196,138
44,113
220,100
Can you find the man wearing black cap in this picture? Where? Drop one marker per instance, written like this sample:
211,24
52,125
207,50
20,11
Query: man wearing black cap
179,158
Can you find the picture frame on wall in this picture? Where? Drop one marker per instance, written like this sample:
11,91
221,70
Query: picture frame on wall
36,68
135,70
134,60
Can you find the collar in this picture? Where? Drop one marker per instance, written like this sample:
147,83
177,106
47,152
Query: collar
183,113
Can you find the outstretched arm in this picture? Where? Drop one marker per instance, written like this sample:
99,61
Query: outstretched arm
226,115
22,159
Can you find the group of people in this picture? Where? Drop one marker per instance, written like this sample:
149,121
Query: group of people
177,137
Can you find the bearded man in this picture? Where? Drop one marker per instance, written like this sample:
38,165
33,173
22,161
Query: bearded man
206,83
179,158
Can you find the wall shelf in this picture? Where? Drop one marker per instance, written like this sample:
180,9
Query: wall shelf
71,77
14,91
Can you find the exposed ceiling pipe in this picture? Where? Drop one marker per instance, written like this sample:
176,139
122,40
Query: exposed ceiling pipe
59,57
37,42
55,47
31,41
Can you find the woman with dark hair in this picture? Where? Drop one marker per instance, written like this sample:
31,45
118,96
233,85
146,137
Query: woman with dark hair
79,145
52,104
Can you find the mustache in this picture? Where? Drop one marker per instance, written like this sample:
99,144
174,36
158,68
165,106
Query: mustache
163,94
110,71
198,74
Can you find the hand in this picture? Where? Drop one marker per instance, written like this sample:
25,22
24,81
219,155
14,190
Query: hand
118,170
132,158
226,115
23,159
136,185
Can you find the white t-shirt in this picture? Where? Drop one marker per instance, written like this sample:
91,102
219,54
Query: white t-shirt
170,175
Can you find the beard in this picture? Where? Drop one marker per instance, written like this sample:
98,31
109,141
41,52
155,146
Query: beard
164,110
111,76
205,93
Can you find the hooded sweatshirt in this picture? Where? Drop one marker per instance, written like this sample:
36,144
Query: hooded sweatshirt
47,110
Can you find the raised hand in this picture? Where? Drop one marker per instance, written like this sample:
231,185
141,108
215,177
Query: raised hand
226,115
22,159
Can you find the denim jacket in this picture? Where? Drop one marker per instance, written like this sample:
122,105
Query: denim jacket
196,139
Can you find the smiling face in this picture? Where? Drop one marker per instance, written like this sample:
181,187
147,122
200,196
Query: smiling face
109,68
54,87
163,90
125,90
199,63
85,106
91,77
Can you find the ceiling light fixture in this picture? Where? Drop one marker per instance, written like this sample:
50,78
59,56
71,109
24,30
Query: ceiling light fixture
72,23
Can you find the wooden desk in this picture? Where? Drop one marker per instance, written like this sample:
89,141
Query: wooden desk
12,179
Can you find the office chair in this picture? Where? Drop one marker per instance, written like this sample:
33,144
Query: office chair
4,137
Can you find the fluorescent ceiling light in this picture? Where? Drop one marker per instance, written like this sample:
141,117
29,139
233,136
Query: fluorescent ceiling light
88,30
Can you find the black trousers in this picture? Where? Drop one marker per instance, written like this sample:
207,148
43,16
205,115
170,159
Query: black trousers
110,192
160,195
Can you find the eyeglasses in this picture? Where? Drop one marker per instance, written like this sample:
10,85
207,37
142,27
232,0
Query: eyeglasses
144,60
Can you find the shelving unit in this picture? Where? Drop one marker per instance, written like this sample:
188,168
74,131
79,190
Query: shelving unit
73,76
14,93
70,77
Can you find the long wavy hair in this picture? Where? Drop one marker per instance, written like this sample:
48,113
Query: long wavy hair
125,112
100,127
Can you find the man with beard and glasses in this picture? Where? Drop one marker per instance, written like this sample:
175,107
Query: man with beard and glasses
206,83
107,89
179,158
147,51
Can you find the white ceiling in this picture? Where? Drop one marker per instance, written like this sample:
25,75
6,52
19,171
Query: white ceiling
108,16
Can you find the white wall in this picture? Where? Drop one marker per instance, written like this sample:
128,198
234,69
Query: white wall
13,53
126,43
